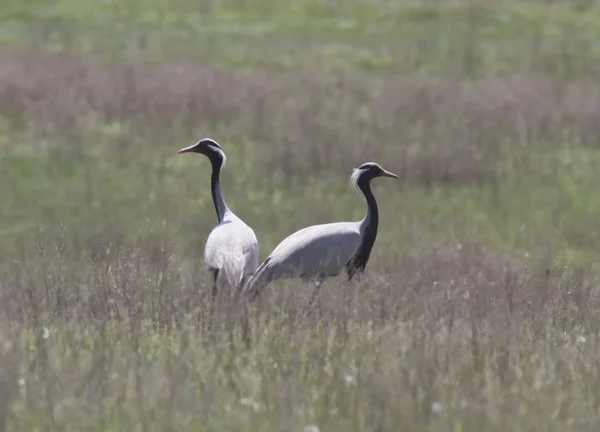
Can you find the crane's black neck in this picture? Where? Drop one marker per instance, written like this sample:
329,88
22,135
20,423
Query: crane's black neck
370,223
220,207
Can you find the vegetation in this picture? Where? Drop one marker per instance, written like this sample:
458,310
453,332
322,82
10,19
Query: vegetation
480,307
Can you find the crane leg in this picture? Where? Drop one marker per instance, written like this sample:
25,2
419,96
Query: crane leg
315,295
245,323
213,298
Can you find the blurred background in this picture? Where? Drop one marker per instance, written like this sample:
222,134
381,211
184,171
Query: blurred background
489,112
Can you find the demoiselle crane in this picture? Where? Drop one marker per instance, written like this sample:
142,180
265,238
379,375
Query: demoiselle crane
231,249
321,251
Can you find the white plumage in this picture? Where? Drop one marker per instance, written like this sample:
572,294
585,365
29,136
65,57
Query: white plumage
322,251
231,249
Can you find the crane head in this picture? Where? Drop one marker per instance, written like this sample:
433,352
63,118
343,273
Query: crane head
369,171
209,148
373,169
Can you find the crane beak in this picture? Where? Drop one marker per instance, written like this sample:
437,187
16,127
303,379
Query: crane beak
388,174
187,149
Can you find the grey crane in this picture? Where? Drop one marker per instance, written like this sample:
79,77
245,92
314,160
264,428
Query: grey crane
321,251
231,249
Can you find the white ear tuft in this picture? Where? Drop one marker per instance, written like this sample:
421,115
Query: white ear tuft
355,177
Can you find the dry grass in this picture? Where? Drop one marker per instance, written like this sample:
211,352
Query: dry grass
436,131
460,337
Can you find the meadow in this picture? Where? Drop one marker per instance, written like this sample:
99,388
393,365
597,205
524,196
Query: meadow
480,306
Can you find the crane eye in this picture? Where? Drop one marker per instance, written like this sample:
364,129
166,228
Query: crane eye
212,144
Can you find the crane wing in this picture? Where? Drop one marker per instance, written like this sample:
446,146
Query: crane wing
316,250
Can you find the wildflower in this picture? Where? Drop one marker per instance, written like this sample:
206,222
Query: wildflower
350,376
249,402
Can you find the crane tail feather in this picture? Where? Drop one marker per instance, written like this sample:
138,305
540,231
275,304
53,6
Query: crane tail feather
354,266
259,280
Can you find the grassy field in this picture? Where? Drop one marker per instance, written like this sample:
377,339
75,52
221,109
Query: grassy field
480,307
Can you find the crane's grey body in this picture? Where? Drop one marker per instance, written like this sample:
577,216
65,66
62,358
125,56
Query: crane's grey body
231,249
316,251
325,250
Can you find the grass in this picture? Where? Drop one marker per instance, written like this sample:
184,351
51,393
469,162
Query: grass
439,38
478,310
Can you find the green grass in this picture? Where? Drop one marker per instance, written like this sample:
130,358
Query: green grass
550,204
479,309
375,37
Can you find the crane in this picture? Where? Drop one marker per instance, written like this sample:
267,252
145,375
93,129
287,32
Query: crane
231,249
321,251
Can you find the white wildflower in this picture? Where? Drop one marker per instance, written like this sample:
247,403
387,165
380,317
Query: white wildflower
437,407
350,376
249,402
